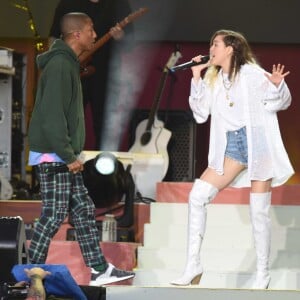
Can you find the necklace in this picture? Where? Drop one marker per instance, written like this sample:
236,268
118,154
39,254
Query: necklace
227,86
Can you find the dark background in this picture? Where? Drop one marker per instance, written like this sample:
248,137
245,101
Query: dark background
262,21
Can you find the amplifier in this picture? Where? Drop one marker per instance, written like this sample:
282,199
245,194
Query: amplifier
13,247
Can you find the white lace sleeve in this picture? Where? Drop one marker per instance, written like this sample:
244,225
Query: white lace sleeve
277,98
199,101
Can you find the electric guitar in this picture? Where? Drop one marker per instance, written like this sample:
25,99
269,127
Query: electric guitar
151,136
86,56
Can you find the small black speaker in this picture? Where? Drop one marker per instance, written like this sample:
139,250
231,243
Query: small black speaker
13,248
181,146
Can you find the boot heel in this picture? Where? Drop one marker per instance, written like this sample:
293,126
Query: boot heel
196,279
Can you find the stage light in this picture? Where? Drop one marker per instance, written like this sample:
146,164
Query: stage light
105,164
108,183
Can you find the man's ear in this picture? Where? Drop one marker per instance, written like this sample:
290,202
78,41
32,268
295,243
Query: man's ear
77,34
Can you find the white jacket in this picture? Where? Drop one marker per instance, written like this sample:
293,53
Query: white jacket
267,157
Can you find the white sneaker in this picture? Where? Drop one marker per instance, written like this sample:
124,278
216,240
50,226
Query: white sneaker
112,274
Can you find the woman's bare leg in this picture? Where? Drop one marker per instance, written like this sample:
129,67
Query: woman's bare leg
232,168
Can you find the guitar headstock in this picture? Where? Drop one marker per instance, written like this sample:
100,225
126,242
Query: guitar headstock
173,59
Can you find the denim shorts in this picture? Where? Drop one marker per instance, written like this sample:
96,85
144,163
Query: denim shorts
237,148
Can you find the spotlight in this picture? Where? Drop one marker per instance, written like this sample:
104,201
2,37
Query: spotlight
106,163
108,183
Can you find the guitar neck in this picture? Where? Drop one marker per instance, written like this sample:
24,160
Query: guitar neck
105,38
85,55
170,63
155,104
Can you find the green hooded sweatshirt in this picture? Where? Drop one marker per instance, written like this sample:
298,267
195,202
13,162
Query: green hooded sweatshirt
57,121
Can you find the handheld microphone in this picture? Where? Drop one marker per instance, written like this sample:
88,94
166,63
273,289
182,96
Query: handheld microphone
204,60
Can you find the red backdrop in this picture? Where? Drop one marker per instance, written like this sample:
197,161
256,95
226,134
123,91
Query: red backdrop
152,57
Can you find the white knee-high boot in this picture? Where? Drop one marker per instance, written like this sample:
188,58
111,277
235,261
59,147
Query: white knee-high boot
261,225
201,194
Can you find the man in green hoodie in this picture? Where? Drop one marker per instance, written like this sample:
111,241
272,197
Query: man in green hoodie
56,139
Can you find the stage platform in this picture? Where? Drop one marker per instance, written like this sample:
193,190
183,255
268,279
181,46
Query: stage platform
228,251
195,293
177,192
63,251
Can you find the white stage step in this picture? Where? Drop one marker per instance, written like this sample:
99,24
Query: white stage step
195,293
231,237
226,214
282,279
228,253
216,259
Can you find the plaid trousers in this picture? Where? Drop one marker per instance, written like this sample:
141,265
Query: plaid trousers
64,193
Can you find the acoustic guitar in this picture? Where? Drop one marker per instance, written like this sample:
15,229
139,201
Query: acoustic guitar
86,56
151,136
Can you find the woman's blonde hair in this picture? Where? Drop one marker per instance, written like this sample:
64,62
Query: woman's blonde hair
242,54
